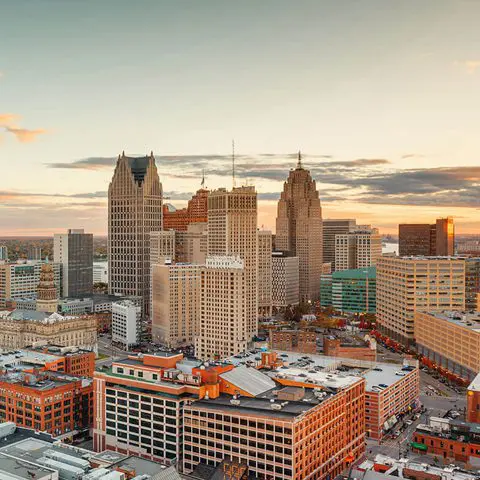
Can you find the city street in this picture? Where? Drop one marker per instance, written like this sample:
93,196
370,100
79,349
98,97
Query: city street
105,348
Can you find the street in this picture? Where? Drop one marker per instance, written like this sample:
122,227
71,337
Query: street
105,347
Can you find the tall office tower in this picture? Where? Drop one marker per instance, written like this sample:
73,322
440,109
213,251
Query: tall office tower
47,299
162,246
134,210
332,227
229,297
299,228
360,248
175,303
409,284
265,272
34,253
74,250
285,280
425,239
195,212
3,253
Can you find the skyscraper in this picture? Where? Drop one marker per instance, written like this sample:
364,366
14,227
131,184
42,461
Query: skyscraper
229,296
264,272
196,211
74,250
134,210
299,228
437,239
3,252
331,228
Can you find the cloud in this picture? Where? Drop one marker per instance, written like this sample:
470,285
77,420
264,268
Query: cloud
470,65
25,135
9,122
6,194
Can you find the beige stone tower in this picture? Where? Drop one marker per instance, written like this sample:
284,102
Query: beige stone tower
229,296
47,299
134,210
299,228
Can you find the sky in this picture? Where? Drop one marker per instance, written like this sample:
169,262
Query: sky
382,98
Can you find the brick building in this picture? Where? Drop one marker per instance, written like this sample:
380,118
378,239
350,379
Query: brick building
473,401
333,347
293,341
180,219
51,402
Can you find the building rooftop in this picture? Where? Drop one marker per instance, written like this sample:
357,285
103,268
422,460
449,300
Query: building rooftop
32,315
356,274
44,381
471,321
249,379
141,466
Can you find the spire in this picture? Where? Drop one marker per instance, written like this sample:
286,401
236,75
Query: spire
203,178
299,163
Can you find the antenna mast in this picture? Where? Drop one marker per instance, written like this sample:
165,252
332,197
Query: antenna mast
233,163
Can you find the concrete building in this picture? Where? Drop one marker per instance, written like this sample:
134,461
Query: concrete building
472,283
360,248
229,321
134,210
21,328
20,280
126,323
350,290
196,211
51,402
265,273
188,246
91,305
47,298
285,280
299,228
451,340
34,253
74,250
331,228
423,239
100,272
3,253
409,284
175,303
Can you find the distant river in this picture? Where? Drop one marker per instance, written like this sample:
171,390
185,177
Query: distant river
390,248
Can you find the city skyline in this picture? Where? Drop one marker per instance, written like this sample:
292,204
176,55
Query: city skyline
388,129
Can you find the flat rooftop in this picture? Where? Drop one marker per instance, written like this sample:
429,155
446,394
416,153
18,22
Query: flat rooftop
44,381
315,367
475,385
16,470
471,321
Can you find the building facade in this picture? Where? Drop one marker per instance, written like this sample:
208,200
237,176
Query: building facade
50,402
299,228
3,253
100,272
134,210
74,250
293,341
451,340
473,401
229,322
20,280
285,280
196,211
360,248
21,328
438,239
175,303
47,299
126,323
331,228
265,273
350,290
406,285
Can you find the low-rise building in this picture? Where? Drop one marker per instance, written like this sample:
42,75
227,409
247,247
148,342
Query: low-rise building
449,440
450,339
126,323
293,340
52,402
337,347
21,328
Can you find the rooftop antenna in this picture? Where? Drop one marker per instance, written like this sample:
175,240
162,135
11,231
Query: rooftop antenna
233,163
299,163
203,178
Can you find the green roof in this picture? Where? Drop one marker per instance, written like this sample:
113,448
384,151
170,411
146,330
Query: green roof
356,274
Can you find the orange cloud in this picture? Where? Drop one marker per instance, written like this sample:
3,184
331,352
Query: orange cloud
25,135
8,119
470,65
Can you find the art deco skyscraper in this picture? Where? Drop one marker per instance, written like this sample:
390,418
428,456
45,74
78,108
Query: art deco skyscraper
229,296
134,210
299,228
